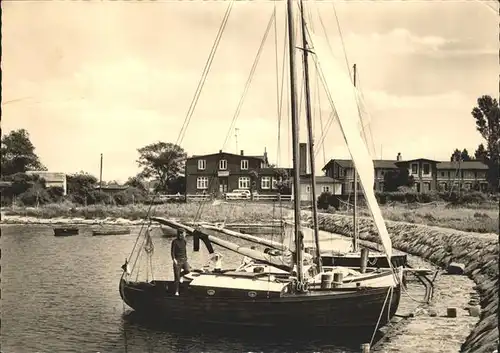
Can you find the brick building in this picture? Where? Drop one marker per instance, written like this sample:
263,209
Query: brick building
224,172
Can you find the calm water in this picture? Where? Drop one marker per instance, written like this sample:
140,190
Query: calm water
60,294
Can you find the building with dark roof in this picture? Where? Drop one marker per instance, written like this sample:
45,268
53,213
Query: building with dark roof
429,175
222,172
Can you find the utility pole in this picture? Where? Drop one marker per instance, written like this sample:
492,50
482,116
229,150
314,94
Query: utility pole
100,176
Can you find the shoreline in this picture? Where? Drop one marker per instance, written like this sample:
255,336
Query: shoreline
440,246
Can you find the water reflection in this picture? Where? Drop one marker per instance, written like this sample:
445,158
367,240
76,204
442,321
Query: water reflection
142,331
61,295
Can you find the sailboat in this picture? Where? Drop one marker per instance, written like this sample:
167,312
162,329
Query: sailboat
298,294
354,255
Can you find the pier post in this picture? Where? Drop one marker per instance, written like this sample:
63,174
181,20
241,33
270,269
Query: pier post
364,259
365,348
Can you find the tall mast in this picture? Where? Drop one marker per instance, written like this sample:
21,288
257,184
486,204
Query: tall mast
310,136
295,140
354,218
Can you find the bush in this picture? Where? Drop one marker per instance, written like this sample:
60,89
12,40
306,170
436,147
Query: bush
130,195
55,193
34,196
323,200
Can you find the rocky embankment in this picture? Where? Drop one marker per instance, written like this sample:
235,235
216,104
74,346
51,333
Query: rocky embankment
478,252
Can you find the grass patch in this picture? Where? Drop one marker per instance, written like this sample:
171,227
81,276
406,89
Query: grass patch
241,212
460,218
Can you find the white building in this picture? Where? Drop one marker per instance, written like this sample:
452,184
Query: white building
52,179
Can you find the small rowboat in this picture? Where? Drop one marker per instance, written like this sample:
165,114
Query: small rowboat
65,231
104,231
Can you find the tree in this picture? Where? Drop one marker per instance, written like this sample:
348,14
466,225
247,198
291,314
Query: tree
136,182
487,116
481,154
282,181
460,155
395,179
18,153
161,160
176,184
81,186
254,176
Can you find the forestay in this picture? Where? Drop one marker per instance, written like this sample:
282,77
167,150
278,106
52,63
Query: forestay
343,94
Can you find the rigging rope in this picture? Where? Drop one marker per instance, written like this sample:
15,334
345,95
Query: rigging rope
238,108
278,96
184,127
207,67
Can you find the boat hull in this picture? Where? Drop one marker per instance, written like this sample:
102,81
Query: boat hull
374,260
343,309
65,232
110,232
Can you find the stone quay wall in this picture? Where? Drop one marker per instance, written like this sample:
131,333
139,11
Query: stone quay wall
441,246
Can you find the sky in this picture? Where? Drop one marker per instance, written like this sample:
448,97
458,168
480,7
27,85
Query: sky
86,78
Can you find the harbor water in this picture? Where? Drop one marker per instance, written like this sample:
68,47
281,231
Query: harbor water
60,294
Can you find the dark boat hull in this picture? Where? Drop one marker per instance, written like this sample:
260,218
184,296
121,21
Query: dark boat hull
65,232
374,260
111,232
344,309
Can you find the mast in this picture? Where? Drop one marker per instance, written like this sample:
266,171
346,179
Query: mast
310,136
295,141
354,218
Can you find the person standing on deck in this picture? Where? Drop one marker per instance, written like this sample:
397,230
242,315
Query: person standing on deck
179,258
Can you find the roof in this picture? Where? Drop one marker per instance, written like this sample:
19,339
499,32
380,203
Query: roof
392,164
48,176
319,179
378,163
463,165
262,158
418,159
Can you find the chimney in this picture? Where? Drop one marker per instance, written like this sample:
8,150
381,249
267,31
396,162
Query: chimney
220,151
399,158
241,152
303,158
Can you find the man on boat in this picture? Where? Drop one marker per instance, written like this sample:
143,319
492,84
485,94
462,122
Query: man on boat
179,258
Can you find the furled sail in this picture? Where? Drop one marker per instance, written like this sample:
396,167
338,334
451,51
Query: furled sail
343,94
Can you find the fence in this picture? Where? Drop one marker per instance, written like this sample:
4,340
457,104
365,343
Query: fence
208,197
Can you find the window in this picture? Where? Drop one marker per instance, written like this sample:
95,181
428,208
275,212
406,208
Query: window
244,183
382,172
262,165
202,183
381,186
244,164
308,189
265,183
274,184
222,164
427,187
427,169
325,188
414,168
202,164
442,174
341,170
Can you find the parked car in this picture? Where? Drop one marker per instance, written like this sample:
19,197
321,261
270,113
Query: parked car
238,194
